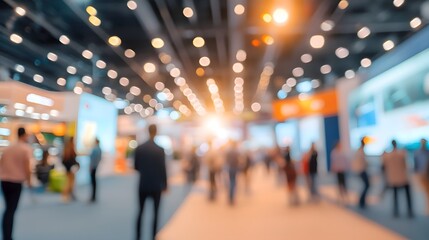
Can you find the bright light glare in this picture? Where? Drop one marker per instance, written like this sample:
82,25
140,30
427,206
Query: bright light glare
114,41
388,45
188,12
132,5
20,11
16,38
317,41
198,42
280,16
239,9
157,43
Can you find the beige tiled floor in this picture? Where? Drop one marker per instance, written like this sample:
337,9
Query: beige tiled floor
265,214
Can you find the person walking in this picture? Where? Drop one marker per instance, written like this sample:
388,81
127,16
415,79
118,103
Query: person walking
43,169
397,177
312,171
95,159
340,166
149,162
290,172
71,166
360,166
421,167
212,159
14,171
233,166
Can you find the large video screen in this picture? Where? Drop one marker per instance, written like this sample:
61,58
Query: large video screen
393,105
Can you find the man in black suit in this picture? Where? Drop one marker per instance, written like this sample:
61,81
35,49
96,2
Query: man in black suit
149,161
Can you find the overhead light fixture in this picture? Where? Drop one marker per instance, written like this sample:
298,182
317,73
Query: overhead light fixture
100,64
291,82
267,17
15,38
129,53
342,52
87,79
325,69
61,81
204,61
349,74
114,41
132,5
317,41
280,16
256,107
87,54
94,21
398,3
304,87
239,9
416,22
200,72
238,67
38,78
149,67
159,86
241,55
52,56
71,70
306,58
157,43
327,25
268,39
91,10
78,90
64,39
281,94
343,4
388,45
20,11
112,74
315,83
298,72
366,62
19,68
188,12
363,32
198,42
106,90
165,58
124,81
175,72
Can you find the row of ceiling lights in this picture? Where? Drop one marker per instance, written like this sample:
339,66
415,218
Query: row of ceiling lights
214,91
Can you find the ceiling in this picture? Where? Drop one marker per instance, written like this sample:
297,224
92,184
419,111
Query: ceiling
272,50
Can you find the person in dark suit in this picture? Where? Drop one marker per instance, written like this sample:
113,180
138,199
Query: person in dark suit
149,161
313,172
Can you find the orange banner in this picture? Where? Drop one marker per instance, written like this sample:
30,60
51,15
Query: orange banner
322,103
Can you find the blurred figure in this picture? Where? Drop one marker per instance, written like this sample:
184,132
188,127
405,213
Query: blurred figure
268,159
312,171
95,159
233,166
421,159
397,177
212,159
149,161
71,166
290,172
383,175
340,166
360,166
14,170
247,166
193,167
43,168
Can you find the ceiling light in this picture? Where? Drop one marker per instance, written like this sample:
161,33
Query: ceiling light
15,38
132,5
106,91
175,72
325,69
268,39
317,41
135,91
366,62
239,81
129,53
100,64
280,16
20,11
416,22
291,82
87,54
343,4
198,42
165,58
87,79
112,74
200,72
159,86
188,12
52,56
267,18
38,78
94,21
286,88
78,90
237,67
388,45
204,61
239,9
306,58
281,94
91,10
115,41
149,67
19,68
304,87
180,81
64,39
124,81
298,72
71,70
350,74
157,43
327,25
342,52
315,83
256,107
61,81
241,55
363,32
398,3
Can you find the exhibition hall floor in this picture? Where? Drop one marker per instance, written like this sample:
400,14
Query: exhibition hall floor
262,213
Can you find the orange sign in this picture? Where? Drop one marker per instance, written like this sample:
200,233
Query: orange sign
323,103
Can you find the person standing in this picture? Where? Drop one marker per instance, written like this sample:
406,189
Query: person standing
360,166
421,166
340,166
95,159
14,170
212,159
397,177
233,166
149,161
290,172
71,166
312,170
